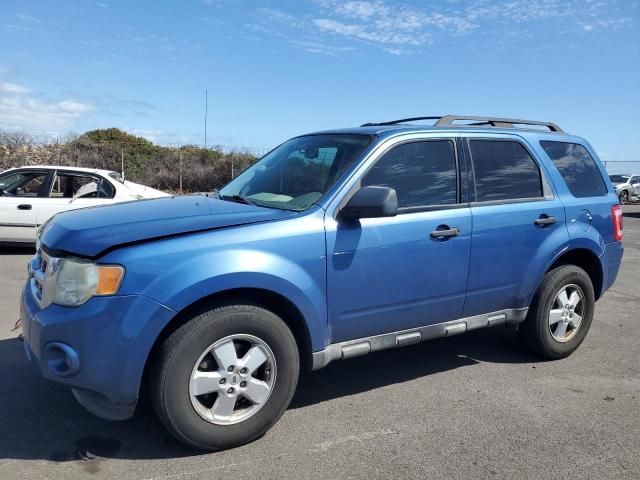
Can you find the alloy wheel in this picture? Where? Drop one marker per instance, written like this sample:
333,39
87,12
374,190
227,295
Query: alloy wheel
232,379
567,312
624,197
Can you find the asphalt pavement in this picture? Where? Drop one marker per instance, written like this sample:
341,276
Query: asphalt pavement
473,406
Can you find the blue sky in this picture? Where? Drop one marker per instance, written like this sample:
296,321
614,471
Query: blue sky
274,69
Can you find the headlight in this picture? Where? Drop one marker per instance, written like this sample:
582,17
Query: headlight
71,281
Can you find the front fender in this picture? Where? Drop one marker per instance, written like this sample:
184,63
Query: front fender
228,270
285,257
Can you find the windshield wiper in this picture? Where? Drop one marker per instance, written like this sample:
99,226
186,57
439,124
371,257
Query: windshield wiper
237,199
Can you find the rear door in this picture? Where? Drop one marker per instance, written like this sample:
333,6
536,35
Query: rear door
72,190
517,221
23,194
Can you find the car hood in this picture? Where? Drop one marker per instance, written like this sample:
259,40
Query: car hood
90,232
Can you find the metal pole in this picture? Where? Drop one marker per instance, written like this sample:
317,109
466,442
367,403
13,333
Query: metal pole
206,111
180,172
122,162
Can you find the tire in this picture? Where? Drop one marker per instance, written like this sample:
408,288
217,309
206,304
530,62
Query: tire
539,333
623,197
173,392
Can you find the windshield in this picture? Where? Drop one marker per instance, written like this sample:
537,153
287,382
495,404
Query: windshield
116,176
619,178
298,173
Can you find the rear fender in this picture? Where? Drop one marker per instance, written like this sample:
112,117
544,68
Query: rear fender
575,244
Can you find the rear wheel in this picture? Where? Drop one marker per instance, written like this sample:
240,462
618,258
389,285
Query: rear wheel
561,313
225,377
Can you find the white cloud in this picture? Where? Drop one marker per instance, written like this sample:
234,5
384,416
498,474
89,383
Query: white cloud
162,137
361,10
14,88
28,18
400,28
317,47
275,15
21,109
385,35
12,27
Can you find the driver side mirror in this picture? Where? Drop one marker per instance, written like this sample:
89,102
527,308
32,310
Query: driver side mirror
371,202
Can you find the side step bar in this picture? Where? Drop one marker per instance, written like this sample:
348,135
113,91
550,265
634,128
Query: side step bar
362,346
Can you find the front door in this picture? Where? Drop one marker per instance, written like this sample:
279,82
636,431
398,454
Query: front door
23,193
635,186
391,274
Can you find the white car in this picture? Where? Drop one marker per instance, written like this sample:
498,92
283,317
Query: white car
29,196
627,187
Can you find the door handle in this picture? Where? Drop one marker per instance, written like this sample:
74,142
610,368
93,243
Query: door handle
451,232
24,206
545,220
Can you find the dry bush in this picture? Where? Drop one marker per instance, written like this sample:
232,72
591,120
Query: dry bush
201,170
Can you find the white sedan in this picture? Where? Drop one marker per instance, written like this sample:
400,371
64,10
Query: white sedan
29,196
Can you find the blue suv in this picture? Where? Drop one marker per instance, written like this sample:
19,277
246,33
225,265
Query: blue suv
333,245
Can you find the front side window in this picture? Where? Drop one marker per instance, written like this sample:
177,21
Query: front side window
504,170
11,178
422,173
298,173
577,167
23,184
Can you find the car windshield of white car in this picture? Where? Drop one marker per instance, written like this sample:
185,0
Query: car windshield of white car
619,178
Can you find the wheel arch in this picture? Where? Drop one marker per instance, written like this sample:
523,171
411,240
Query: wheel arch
267,299
586,259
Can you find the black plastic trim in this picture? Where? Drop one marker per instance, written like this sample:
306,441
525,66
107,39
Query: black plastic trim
22,225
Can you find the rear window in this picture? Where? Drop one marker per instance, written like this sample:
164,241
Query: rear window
504,171
577,167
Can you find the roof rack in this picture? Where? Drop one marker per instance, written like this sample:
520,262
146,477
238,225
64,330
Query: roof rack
448,120
402,120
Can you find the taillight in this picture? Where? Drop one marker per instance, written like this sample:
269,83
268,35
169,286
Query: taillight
616,218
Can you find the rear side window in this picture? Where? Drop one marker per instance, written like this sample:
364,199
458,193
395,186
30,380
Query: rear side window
504,170
422,173
80,186
577,167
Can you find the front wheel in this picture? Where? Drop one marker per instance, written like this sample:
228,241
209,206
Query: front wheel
225,377
560,314
623,197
